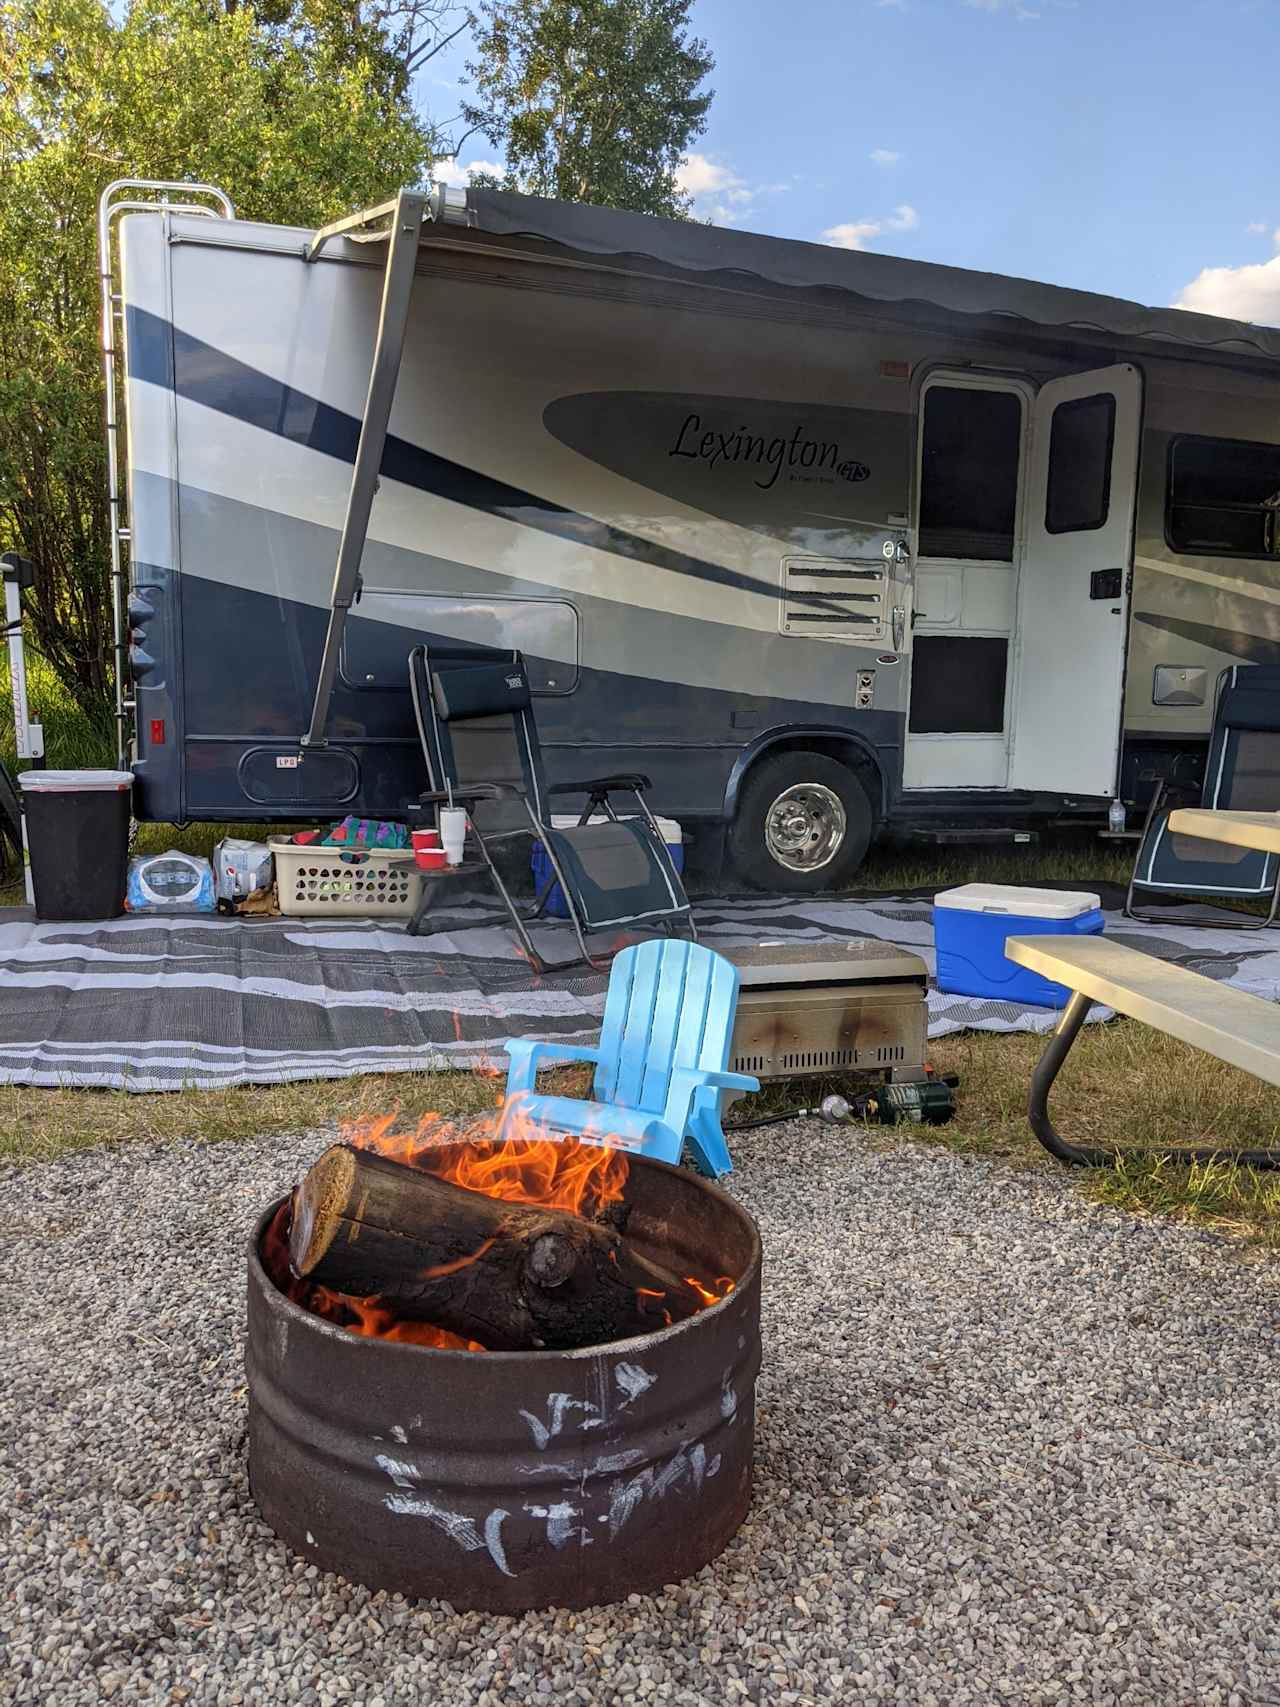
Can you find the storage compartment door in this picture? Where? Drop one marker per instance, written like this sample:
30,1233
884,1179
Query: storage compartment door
1073,587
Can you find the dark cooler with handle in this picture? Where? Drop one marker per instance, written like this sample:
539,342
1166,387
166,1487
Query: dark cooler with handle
78,841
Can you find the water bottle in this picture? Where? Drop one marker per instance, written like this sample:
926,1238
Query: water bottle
1116,817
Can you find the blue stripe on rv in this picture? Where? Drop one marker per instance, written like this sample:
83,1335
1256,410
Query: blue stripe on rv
164,355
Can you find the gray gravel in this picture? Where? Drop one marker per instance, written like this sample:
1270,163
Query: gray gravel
1011,1448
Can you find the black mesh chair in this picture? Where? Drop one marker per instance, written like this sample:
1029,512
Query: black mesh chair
1242,774
475,719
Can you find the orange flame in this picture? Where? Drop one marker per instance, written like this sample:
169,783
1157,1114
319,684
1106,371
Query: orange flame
720,1288
376,1320
528,1166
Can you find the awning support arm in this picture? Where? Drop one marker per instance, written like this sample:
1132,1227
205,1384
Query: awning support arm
409,210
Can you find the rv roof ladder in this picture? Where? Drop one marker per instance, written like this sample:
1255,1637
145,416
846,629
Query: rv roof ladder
122,196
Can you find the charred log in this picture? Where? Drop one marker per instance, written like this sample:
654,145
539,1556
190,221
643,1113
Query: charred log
512,1276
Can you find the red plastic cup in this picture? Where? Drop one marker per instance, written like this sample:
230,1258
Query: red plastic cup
428,855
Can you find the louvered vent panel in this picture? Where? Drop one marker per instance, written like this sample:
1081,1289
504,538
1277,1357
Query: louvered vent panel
836,598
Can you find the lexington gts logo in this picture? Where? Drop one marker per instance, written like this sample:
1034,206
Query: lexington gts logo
811,456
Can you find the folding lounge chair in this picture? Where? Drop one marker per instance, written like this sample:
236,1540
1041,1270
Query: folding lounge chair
479,738
1242,773
660,1063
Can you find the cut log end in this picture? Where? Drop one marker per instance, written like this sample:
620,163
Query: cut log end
319,1206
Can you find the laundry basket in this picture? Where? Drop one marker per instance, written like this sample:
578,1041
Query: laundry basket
339,883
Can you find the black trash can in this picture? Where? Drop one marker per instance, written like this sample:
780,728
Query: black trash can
78,840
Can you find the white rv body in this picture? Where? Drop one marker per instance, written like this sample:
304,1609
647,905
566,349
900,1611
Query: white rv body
725,518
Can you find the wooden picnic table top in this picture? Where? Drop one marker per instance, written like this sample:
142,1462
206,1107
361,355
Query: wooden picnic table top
1259,830
1236,1026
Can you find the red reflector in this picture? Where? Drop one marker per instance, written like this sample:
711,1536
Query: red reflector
157,731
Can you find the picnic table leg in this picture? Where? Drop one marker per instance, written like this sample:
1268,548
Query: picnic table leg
1080,1156
1046,1071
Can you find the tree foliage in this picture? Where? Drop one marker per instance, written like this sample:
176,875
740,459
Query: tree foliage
591,100
300,109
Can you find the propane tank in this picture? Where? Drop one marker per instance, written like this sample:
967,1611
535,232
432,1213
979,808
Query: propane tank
928,1104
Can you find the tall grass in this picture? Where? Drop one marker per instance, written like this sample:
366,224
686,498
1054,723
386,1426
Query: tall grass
73,740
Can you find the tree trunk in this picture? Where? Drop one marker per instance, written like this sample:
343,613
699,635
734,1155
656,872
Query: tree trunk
510,1275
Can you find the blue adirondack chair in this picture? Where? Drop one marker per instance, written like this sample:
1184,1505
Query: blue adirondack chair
660,1062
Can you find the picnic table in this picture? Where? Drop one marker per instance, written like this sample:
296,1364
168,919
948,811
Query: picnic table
1236,1027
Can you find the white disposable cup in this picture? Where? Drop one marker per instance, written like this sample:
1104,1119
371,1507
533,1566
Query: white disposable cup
453,833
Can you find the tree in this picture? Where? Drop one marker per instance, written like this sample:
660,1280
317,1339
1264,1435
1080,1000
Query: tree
591,100
301,111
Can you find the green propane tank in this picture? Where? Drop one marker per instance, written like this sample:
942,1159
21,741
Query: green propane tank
928,1104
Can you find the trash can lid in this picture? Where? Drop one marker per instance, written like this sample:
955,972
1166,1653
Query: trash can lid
74,782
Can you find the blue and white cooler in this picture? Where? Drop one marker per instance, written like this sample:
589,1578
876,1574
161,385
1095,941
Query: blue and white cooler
970,925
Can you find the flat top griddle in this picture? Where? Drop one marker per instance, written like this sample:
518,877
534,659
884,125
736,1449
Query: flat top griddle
766,965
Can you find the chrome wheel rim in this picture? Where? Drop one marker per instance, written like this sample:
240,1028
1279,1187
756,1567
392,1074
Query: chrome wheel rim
805,826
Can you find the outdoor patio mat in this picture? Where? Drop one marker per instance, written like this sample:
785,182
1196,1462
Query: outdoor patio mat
158,1004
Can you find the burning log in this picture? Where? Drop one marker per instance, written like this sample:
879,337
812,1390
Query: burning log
511,1275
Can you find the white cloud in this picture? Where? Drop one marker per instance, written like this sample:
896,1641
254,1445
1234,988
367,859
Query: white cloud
719,193
1256,227
1016,8
1239,293
448,170
699,175
858,233
884,157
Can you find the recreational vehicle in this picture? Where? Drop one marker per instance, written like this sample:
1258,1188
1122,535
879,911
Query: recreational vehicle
826,544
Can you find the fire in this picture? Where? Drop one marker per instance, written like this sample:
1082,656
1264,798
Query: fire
373,1319
529,1166
720,1288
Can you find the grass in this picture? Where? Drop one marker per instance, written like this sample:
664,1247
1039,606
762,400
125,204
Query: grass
1123,1085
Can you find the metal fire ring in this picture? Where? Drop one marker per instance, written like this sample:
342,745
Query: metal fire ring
805,826
506,1481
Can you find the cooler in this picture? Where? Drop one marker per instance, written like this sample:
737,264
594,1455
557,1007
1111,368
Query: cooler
556,909
970,925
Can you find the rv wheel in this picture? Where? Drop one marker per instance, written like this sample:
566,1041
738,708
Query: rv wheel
804,823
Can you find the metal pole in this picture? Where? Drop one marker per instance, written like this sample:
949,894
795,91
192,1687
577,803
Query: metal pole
397,288
18,573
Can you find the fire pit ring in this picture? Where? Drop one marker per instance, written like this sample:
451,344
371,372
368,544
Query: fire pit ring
508,1481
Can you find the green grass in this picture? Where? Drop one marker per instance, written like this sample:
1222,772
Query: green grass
1123,1085
73,741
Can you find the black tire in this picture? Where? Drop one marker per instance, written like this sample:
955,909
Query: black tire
767,782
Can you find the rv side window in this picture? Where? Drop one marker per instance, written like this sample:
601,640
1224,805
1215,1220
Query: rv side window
1081,438
1223,495
970,441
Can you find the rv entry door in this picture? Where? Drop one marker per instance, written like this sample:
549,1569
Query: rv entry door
1073,586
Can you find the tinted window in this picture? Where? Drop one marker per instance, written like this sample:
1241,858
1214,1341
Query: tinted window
957,684
1223,497
969,473
1081,436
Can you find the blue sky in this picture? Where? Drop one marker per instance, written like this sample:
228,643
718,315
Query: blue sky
1126,146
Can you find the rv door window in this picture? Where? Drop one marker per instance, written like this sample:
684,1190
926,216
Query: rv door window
970,442
1081,437
1223,495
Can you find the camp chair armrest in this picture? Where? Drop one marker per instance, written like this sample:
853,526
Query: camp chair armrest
472,791
634,783
686,1080
527,1053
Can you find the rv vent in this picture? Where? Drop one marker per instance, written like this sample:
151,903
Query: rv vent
891,1052
811,1060
749,1064
835,598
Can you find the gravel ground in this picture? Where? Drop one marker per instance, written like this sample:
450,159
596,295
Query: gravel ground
1011,1448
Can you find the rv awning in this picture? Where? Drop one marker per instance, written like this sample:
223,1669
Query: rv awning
697,248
